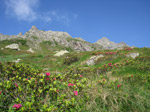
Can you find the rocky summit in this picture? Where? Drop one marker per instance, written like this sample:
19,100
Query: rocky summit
107,44
35,36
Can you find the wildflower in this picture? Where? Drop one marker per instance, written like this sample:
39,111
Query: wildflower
17,106
70,84
16,84
109,64
81,75
54,78
75,93
119,85
0,92
47,79
57,90
26,79
48,74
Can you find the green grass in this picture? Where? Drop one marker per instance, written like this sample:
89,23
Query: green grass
101,93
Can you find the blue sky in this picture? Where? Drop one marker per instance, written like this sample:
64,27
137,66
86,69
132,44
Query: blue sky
118,20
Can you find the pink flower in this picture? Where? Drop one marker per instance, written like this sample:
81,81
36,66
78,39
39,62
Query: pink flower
48,74
119,85
26,79
54,78
0,92
109,64
17,106
70,84
47,79
81,75
16,84
75,93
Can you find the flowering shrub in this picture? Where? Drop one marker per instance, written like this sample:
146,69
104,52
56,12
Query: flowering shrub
128,49
27,89
17,106
109,64
119,85
110,53
70,59
47,74
75,93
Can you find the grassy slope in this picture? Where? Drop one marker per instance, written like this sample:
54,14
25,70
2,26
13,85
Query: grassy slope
105,95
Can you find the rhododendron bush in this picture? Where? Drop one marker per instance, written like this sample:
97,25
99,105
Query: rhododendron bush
23,88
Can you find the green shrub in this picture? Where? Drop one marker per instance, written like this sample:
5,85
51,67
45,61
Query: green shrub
35,91
69,59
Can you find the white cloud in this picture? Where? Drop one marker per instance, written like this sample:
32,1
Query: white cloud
62,17
26,10
22,9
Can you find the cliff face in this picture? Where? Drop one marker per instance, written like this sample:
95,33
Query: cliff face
34,37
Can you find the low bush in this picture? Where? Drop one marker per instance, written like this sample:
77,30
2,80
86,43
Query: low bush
23,88
69,59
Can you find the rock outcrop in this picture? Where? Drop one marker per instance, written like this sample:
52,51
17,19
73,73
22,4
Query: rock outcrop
107,44
16,61
60,53
93,59
133,55
13,46
30,50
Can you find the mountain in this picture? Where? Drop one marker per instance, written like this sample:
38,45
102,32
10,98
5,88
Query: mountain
35,37
107,44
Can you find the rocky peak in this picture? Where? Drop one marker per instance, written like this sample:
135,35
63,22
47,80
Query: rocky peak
33,28
107,44
103,40
20,34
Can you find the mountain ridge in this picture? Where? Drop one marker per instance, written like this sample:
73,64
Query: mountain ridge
35,36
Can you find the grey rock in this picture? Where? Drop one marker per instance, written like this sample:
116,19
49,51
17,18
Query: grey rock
60,53
30,50
107,44
93,59
133,55
16,61
13,46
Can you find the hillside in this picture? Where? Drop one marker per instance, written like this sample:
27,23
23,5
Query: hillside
114,80
33,77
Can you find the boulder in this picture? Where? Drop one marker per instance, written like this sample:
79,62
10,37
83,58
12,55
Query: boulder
16,61
13,46
30,50
133,55
60,53
91,61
